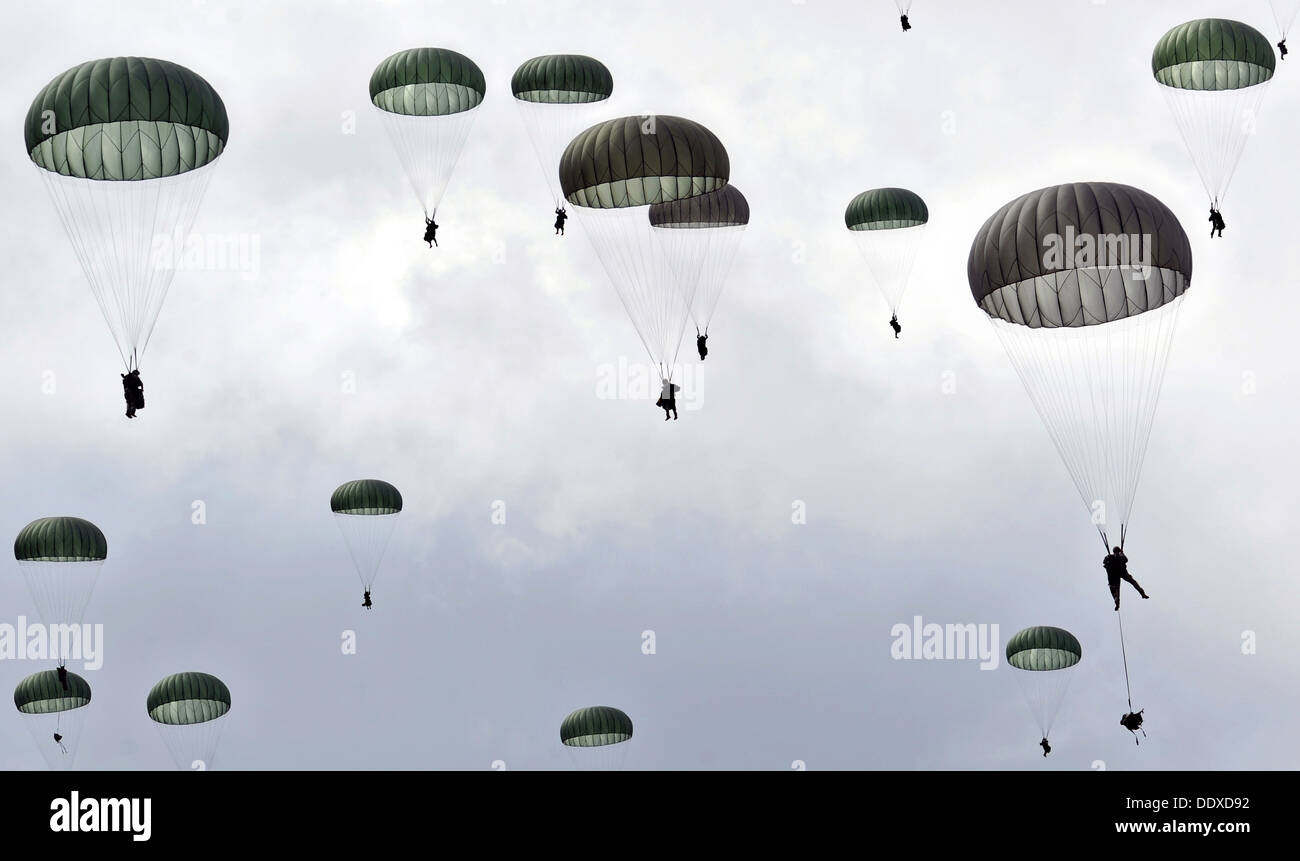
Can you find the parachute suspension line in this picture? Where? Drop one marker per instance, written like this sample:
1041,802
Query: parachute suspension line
1284,14
61,590
1215,126
642,279
129,237
890,256
1096,389
429,147
700,258
1124,652
550,127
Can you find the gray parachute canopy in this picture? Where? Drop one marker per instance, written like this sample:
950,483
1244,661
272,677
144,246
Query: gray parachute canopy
726,207
636,161
1047,257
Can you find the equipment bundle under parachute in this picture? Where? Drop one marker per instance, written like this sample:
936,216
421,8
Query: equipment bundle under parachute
127,147
613,172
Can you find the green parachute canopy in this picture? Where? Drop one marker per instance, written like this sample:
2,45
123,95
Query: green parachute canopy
595,726
42,693
427,82
562,79
427,100
183,699
367,496
637,161
1213,54
126,118
726,207
60,539
1043,648
886,209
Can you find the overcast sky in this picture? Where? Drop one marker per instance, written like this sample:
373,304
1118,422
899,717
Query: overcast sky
476,367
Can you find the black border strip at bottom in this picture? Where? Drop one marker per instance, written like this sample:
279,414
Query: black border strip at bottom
333,811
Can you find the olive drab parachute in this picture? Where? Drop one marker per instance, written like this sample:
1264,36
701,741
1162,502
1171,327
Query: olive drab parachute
428,99
889,225
1083,283
187,709
613,172
595,735
127,147
1042,657
48,709
366,511
556,95
1214,73
60,559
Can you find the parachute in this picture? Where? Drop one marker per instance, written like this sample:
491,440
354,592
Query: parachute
1083,283
700,236
428,99
1043,654
1214,74
889,225
613,172
556,95
595,736
186,708
48,709
366,511
60,558
126,147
